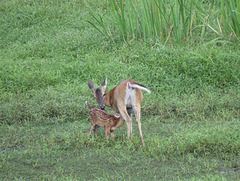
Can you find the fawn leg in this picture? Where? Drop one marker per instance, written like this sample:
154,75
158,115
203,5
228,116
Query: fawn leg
112,134
90,129
95,129
107,131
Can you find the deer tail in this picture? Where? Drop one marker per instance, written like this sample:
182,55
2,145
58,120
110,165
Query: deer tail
139,86
88,105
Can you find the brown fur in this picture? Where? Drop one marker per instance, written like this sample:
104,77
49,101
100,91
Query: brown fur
103,119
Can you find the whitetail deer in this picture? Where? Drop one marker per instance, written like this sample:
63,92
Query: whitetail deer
108,121
125,98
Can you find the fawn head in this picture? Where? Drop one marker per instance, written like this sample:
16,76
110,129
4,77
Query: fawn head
99,93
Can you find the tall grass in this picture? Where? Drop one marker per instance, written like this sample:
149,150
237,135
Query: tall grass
226,23
231,17
169,21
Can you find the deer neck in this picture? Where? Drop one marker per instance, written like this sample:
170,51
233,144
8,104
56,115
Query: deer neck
109,98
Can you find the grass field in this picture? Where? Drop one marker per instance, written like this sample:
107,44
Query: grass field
49,51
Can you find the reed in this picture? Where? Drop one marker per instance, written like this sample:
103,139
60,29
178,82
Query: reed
231,17
226,25
167,21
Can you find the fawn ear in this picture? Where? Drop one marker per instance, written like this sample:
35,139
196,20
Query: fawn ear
104,84
92,87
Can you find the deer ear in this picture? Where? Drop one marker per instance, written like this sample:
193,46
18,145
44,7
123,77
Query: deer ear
91,86
104,84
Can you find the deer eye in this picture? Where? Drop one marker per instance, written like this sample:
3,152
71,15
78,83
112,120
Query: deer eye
103,95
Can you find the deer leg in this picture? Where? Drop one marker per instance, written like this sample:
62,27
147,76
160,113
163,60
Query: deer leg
90,130
128,120
131,122
130,112
112,134
138,115
119,124
107,130
95,129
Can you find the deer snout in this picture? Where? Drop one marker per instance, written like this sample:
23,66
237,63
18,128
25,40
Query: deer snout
102,107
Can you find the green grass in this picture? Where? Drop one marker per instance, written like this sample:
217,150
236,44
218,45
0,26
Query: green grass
49,51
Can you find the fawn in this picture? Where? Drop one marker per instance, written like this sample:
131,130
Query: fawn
103,119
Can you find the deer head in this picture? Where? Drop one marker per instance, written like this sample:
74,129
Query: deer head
99,93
